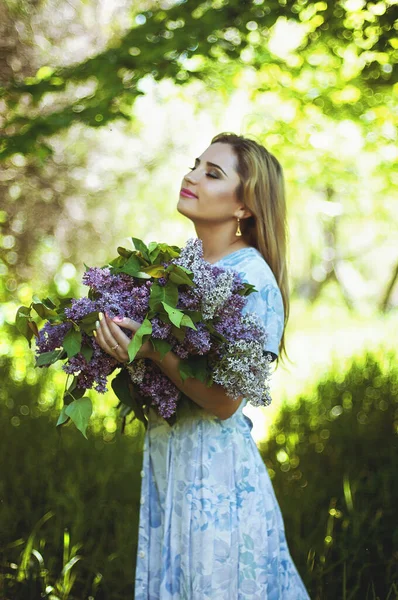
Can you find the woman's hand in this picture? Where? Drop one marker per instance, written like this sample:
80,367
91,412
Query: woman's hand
115,342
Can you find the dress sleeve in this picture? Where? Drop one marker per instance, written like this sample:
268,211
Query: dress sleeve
267,303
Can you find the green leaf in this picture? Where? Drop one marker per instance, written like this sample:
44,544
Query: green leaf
161,346
175,315
159,294
141,247
49,358
179,334
156,271
186,321
73,392
87,352
63,417
132,266
48,303
80,412
140,336
64,303
162,252
247,289
22,319
128,394
44,308
195,366
179,275
120,385
152,246
87,323
195,315
124,252
153,251
116,264
72,342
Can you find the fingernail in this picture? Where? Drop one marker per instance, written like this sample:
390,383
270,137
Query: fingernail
94,333
97,324
117,319
100,316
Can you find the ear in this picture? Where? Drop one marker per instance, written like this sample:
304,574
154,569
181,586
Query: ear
243,213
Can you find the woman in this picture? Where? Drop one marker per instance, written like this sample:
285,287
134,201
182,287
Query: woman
210,526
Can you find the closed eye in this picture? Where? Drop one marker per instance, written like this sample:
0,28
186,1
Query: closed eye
213,175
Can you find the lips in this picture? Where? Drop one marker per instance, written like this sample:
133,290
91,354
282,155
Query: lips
187,193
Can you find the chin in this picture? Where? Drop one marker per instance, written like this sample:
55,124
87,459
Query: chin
181,209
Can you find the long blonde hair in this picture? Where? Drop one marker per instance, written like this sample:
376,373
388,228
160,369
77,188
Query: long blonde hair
262,191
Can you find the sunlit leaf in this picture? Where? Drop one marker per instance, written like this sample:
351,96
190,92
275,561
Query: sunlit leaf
175,315
44,308
186,321
80,412
141,247
141,335
156,271
22,322
63,417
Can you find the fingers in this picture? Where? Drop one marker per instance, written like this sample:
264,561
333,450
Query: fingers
111,338
100,338
126,323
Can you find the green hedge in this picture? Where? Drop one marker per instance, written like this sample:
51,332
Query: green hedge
333,458
92,490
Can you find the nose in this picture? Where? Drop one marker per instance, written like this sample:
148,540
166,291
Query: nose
193,176
189,177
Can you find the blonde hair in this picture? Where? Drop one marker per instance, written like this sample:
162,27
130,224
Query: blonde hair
262,191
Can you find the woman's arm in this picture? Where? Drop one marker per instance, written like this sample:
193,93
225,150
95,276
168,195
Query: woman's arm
214,399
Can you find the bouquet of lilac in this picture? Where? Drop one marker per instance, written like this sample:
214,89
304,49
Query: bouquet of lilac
183,303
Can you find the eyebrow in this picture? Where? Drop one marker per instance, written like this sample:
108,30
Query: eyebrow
212,165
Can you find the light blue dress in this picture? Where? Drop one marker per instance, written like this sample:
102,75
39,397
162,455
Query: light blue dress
210,525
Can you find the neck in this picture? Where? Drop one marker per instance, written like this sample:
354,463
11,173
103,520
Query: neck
218,240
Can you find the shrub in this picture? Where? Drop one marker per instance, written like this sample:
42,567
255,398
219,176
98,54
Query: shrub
333,458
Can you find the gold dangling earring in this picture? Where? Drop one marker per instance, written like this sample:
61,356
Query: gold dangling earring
238,231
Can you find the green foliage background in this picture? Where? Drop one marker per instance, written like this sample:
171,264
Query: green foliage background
103,108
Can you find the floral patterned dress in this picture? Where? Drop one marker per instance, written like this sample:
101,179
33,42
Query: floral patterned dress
210,525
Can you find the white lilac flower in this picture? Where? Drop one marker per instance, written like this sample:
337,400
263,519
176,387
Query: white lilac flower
244,370
218,292
137,370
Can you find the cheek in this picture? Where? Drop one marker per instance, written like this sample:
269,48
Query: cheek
219,198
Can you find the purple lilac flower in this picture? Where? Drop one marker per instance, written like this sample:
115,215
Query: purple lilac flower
51,337
160,329
93,373
80,308
195,342
162,391
98,279
188,301
119,294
